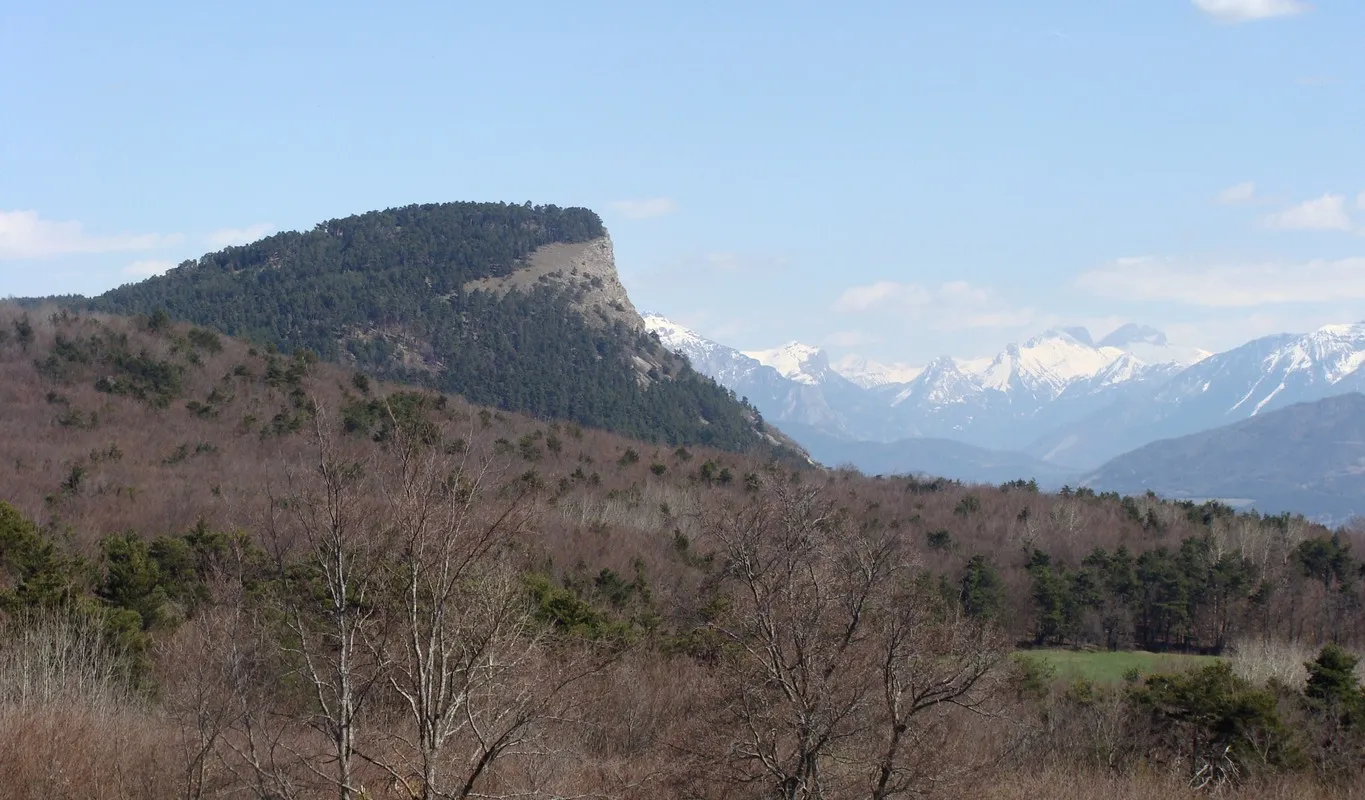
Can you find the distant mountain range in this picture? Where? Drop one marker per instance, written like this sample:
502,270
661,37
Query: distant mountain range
1304,456
1054,407
1260,376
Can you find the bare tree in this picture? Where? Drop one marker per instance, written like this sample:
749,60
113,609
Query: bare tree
933,657
837,651
464,618
329,543
474,669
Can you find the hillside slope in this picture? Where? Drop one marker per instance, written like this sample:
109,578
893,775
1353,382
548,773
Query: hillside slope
512,306
195,514
1307,458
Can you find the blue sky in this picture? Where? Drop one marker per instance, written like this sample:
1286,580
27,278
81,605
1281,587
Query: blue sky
896,179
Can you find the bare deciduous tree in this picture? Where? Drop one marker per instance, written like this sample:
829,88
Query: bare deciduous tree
838,653
463,621
330,599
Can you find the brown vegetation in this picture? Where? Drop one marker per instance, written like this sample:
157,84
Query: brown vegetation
400,595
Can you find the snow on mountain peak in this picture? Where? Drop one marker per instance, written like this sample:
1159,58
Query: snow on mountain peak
1339,350
1047,363
670,332
869,374
794,361
1350,330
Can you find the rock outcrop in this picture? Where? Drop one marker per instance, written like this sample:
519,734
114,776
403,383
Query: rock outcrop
587,268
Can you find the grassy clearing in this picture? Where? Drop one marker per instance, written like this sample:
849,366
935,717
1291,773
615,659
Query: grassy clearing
1110,667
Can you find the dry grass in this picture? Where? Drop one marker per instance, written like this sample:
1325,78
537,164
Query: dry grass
69,725
71,753
1260,658
1078,785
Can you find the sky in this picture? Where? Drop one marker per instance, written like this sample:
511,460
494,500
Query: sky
900,180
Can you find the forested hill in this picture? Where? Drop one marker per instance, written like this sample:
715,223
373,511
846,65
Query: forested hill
515,306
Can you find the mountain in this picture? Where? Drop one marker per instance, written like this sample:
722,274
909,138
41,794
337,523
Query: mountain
514,306
789,384
840,421
1028,389
1306,458
996,407
1260,376
871,374
796,362
930,456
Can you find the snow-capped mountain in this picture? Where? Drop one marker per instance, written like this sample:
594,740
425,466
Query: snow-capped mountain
789,384
870,374
1052,406
796,362
1027,389
1004,401
1260,376
726,365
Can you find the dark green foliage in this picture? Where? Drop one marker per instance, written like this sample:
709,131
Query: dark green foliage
938,540
380,285
1190,599
983,592
408,412
1328,559
35,572
132,578
122,371
1055,607
563,609
1332,685
205,340
1208,715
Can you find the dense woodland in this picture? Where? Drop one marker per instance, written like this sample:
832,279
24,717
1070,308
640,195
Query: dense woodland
235,571
386,291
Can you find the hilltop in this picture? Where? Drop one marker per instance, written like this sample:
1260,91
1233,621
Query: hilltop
513,306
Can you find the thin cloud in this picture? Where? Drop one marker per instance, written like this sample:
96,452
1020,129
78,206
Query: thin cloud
851,338
1244,192
1360,201
952,306
882,294
1250,10
24,234
644,209
231,237
1230,285
1326,213
147,268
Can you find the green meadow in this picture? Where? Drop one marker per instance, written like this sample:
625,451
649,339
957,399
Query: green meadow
1103,666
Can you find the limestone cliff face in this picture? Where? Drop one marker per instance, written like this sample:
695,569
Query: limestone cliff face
587,268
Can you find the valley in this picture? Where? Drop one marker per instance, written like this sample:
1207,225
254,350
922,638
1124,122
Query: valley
1056,408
